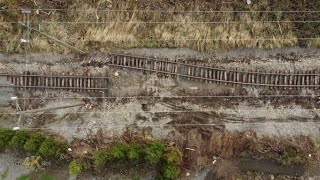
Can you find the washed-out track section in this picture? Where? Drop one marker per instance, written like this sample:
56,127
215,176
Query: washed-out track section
234,77
56,82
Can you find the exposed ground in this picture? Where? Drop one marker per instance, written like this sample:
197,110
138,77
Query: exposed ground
167,117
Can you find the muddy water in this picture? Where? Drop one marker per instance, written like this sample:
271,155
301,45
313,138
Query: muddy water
270,167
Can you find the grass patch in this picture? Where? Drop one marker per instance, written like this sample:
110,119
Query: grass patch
128,29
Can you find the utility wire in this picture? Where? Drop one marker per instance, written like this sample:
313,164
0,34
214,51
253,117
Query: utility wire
139,126
159,22
168,111
174,97
169,11
208,39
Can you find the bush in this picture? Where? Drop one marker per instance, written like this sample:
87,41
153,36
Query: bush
169,172
134,153
75,168
100,158
118,151
173,156
5,137
154,152
50,148
34,142
19,139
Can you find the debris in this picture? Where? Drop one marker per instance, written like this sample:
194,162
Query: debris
214,160
193,88
187,174
190,149
249,2
116,73
271,177
69,149
16,128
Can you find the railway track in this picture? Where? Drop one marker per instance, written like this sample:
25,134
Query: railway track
233,77
61,82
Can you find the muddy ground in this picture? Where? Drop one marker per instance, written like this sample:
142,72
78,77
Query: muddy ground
165,108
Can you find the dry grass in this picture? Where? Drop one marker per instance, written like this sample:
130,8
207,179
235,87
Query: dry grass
205,37
286,150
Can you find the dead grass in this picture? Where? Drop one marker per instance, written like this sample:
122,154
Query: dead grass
286,150
205,37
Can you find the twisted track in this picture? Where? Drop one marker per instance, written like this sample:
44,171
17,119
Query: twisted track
234,77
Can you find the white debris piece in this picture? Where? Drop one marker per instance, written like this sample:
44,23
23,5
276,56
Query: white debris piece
69,149
24,40
116,73
249,2
16,128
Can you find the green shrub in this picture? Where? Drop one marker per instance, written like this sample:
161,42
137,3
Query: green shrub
169,172
118,151
154,152
19,139
75,168
34,142
134,153
50,148
100,158
5,137
173,156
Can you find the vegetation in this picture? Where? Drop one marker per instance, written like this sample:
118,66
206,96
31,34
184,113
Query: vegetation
100,158
285,150
50,148
172,156
118,151
34,142
134,153
4,174
19,139
5,137
75,168
169,172
23,177
154,152
127,29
